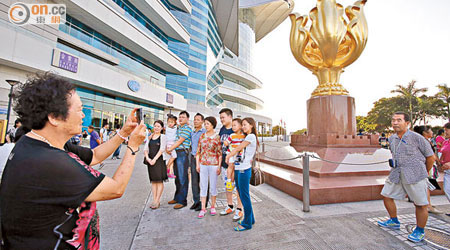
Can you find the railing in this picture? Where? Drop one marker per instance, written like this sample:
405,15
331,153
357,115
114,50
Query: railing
305,162
126,61
154,33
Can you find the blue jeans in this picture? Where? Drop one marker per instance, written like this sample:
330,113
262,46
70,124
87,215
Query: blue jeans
182,165
117,152
242,180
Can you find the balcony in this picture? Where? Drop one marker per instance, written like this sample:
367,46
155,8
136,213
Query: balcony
249,80
161,17
108,20
185,5
235,96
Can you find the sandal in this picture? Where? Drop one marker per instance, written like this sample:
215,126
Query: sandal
238,229
154,206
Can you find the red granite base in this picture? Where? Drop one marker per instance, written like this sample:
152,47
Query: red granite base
331,183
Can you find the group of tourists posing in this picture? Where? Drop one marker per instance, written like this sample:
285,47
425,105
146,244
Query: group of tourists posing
208,155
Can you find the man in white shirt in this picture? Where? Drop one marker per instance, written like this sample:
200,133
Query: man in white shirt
104,137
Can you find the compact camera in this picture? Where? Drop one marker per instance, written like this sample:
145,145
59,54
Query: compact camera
391,163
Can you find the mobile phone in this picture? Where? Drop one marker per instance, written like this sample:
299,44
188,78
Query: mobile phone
139,115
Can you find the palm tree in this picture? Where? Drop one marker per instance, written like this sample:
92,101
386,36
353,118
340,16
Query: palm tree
409,92
444,95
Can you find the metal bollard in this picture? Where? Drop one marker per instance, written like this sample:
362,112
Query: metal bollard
305,182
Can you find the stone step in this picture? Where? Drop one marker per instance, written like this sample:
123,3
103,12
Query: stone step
327,190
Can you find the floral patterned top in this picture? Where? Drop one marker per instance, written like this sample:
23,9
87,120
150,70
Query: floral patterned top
209,149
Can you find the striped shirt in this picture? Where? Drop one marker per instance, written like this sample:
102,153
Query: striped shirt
234,140
184,132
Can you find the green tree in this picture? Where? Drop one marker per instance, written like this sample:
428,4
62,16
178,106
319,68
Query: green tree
429,107
381,113
300,131
363,123
277,130
410,93
444,95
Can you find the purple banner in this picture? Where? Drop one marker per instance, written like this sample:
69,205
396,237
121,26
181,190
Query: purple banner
68,62
169,98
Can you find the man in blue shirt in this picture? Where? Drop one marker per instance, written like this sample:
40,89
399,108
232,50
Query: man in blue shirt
95,141
95,138
195,176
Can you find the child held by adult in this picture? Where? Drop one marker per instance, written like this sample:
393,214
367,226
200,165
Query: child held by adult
233,141
171,134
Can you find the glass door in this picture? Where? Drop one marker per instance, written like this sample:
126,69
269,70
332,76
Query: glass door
119,119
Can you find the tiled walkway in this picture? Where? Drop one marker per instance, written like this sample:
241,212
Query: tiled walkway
408,222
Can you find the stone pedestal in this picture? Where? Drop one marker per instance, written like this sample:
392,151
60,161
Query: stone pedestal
331,115
336,174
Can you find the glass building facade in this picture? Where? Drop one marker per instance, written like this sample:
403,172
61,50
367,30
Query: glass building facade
128,60
100,109
243,62
193,86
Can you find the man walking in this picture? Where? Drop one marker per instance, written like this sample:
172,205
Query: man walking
413,157
182,146
104,137
195,176
95,141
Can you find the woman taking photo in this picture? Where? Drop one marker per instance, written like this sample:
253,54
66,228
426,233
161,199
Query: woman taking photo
156,165
209,157
243,171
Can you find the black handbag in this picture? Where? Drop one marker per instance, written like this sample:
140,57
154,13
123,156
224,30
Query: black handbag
257,177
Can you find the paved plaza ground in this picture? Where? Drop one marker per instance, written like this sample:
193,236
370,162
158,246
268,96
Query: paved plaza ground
128,223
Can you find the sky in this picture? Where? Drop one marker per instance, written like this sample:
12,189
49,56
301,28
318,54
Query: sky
408,39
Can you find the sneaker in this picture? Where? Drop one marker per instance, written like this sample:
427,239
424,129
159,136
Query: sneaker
227,211
389,224
416,236
229,186
238,215
213,211
201,214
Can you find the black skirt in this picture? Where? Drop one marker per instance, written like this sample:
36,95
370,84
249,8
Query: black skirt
157,172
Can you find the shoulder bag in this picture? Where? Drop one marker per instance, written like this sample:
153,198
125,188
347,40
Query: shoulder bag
257,177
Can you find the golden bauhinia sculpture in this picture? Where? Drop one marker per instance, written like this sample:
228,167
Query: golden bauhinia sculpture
331,43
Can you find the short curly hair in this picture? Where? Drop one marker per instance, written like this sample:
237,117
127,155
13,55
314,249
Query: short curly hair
211,120
41,95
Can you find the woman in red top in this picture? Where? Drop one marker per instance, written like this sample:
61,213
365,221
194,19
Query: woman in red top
209,157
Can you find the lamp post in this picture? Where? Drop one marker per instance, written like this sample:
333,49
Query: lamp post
12,83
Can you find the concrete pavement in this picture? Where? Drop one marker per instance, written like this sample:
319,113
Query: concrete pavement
128,223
